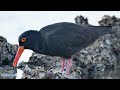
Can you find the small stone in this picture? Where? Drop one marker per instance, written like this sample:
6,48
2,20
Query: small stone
89,57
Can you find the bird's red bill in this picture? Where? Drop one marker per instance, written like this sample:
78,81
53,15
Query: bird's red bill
19,52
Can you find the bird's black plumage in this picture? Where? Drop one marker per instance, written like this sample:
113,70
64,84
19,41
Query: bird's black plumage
62,39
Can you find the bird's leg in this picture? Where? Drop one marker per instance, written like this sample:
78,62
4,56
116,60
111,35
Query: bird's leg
63,63
69,65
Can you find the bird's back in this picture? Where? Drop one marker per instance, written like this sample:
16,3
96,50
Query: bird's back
72,26
65,39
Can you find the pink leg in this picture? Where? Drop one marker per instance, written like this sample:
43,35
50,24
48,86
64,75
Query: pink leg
69,65
63,63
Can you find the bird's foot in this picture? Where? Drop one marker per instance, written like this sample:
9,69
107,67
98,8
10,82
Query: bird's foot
63,63
66,66
69,65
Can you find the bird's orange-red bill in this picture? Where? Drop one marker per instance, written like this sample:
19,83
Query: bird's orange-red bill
19,52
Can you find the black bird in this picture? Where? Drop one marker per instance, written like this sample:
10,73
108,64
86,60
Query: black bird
62,39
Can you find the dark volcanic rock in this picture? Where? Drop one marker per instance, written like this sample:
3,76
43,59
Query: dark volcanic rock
7,51
109,21
80,20
7,54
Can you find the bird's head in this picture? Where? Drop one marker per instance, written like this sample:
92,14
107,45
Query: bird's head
26,41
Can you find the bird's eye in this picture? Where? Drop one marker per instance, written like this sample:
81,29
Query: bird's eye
23,39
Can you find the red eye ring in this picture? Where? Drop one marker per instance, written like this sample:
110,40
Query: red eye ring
23,39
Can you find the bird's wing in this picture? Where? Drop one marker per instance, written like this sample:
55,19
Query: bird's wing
76,38
69,38
66,41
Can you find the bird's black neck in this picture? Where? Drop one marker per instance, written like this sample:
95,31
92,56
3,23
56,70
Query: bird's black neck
39,45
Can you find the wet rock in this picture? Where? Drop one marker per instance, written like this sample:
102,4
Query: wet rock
95,71
7,72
